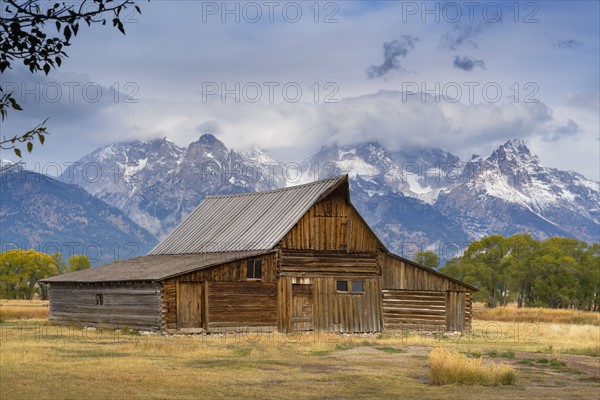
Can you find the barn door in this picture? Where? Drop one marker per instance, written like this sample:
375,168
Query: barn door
302,307
455,311
189,305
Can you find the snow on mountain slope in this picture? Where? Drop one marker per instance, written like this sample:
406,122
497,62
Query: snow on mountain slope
512,178
158,183
429,195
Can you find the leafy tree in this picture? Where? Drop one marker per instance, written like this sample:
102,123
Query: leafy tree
485,260
556,283
60,263
589,278
557,272
522,274
38,33
20,271
427,258
78,263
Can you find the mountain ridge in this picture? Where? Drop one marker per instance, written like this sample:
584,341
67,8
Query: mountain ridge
508,192
37,211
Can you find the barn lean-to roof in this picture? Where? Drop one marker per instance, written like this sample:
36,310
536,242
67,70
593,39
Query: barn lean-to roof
152,267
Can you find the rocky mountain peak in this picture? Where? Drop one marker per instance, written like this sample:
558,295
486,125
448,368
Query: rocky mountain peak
514,151
507,192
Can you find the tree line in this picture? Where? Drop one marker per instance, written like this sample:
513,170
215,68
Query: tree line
21,271
555,273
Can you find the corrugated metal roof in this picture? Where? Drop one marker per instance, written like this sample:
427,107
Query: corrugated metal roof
152,268
247,221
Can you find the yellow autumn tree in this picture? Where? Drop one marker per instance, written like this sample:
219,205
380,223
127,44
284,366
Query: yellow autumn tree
21,270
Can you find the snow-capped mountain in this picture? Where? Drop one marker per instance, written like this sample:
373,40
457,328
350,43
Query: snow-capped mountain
414,198
511,192
158,183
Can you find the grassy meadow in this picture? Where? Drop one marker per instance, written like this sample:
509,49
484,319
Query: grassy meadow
498,359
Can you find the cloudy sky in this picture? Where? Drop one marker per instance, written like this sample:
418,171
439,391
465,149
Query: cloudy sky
292,76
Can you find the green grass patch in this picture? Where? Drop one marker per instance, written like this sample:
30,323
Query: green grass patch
586,351
93,353
527,361
389,349
242,351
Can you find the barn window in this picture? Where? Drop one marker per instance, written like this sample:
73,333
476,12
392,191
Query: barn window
342,286
358,287
99,299
350,287
254,269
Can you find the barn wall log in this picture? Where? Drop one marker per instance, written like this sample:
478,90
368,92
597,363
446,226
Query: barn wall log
414,310
134,305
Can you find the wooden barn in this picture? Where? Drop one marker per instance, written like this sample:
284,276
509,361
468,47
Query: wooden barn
295,259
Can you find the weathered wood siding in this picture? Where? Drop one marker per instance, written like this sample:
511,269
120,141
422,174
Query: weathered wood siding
399,274
135,305
331,224
228,297
234,271
415,298
331,310
414,310
326,263
242,304
455,311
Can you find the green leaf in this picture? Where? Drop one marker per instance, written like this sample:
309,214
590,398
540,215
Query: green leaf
42,139
46,68
29,146
14,104
18,152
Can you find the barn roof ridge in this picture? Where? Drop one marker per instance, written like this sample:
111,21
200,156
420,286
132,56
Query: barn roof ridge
250,221
290,188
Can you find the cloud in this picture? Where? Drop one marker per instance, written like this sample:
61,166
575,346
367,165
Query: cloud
211,126
568,44
467,63
561,131
461,35
392,51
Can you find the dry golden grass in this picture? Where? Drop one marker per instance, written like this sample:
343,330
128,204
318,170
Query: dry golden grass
513,314
44,361
23,309
451,367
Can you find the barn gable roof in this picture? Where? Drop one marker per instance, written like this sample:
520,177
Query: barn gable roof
152,267
247,221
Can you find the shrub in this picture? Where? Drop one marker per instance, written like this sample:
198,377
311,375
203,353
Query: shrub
450,367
